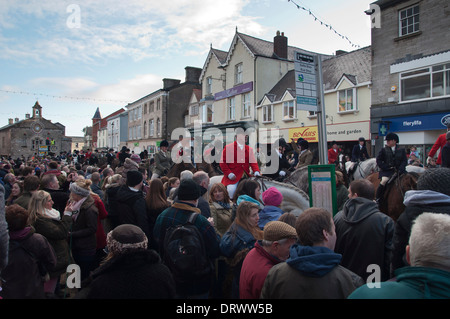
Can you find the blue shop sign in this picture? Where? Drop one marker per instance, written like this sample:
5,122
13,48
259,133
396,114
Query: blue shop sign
425,122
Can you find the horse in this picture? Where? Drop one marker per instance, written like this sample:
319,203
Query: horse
299,179
364,169
392,202
176,169
295,201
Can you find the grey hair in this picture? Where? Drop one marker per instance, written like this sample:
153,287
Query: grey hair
186,175
267,243
429,243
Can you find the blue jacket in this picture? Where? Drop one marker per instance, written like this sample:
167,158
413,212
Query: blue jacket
412,283
267,214
313,261
235,240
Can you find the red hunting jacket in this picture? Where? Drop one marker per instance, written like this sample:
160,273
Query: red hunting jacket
237,162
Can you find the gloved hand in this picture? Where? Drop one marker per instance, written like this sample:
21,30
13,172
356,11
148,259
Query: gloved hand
257,173
231,176
282,173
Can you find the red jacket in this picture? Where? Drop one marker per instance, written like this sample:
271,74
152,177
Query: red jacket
102,214
332,156
439,144
254,271
238,163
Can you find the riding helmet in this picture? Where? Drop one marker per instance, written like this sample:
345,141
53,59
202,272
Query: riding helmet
392,136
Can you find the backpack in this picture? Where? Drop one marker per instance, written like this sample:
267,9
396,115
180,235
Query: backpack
184,252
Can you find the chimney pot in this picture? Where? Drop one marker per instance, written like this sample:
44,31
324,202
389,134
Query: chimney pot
280,45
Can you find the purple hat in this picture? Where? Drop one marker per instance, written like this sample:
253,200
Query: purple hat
272,197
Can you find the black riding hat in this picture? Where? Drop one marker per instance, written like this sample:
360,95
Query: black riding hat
392,136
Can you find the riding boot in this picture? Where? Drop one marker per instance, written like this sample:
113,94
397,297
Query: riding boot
380,193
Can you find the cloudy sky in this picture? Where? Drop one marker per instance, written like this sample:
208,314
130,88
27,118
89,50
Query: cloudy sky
74,56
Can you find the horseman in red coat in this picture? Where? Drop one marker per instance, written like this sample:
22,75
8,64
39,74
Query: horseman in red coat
237,159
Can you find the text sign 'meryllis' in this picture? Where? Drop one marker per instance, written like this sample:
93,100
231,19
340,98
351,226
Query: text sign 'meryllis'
305,81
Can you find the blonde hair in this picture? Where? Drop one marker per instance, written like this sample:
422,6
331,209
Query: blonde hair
37,204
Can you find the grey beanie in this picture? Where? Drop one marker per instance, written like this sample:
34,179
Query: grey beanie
435,179
81,191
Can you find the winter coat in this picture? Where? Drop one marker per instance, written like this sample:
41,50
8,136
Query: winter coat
440,142
238,163
132,209
222,217
341,196
23,276
84,229
359,154
411,283
111,203
56,232
267,214
178,214
102,214
24,199
388,161
254,270
4,237
445,155
163,163
235,245
304,158
364,237
310,273
133,275
416,202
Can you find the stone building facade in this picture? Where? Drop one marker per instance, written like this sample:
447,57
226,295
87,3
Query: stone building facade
33,136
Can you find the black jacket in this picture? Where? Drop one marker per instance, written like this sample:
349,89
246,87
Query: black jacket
59,198
416,202
389,162
133,275
364,237
359,154
132,209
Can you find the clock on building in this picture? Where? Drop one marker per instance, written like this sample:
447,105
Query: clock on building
36,127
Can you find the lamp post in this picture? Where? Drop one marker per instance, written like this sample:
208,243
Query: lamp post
112,135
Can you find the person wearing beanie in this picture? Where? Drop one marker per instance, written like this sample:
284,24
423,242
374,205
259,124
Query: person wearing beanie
273,249
129,269
272,199
446,152
136,158
163,160
131,205
439,144
178,214
432,196
81,207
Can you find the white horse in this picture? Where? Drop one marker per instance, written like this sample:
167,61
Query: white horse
295,200
364,169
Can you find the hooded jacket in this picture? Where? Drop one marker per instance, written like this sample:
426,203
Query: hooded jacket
364,237
132,209
310,273
411,283
267,214
416,202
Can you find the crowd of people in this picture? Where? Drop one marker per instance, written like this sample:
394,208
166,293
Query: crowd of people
120,226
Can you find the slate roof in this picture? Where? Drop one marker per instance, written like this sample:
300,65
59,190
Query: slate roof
355,66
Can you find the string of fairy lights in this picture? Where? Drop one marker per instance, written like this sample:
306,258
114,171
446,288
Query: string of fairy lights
328,26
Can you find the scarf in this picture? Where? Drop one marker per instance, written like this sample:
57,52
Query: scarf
223,204
52,213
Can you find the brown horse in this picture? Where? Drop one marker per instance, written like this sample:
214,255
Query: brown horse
392,203
176,169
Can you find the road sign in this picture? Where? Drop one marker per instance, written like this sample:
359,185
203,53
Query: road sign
305,82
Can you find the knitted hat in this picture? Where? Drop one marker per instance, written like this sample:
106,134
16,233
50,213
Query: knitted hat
435,179
272,197
188,190
276,230
126,237
81,191
134,178
136,158
130,165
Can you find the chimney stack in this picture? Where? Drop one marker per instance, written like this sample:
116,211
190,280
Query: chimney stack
10,121
27,116
168,83
280,45
192,74
16,120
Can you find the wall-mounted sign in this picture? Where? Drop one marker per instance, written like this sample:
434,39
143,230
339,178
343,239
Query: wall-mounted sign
243,88
422,122
305,82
